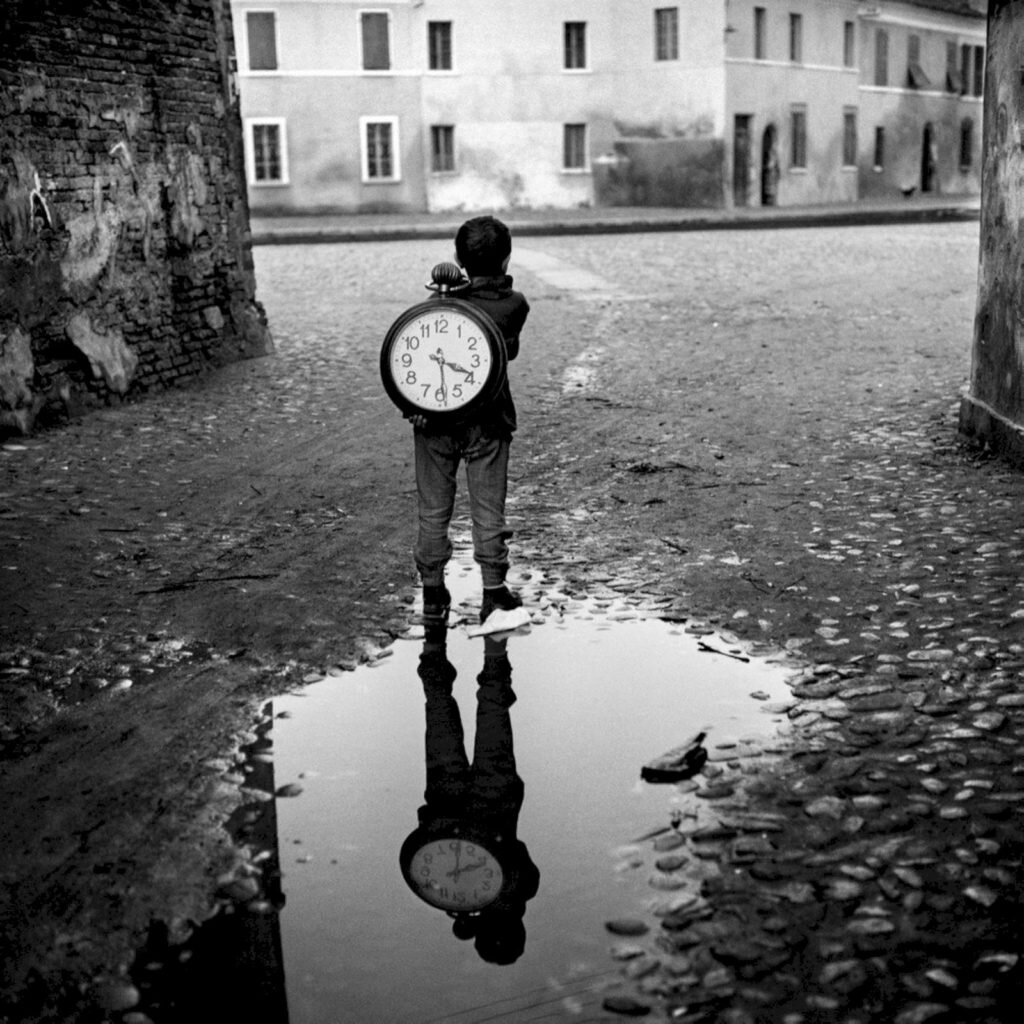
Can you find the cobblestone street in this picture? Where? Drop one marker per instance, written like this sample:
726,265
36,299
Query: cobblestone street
751,431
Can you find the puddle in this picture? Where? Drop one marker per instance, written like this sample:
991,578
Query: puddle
582,699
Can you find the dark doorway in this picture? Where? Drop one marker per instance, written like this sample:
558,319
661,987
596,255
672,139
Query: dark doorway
769,167
741,160
929,159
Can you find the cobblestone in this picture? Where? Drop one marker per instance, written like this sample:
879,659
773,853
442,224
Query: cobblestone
763,444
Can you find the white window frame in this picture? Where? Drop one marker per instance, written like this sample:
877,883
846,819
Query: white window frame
391,41
364,153
250,151
245,42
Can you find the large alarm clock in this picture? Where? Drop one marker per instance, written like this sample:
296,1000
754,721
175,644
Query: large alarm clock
444,357
452,872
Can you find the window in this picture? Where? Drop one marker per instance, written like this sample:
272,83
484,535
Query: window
796,38
879,148
666,33
850,137
374,31
979,71
916,78
261,39
575,45
380,148
574,147
954,80
965,69
966,144
439,45
798,136
760,37
881,57
442,148
267,157
849,45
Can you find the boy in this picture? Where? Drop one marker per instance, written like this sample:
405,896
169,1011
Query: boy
483,247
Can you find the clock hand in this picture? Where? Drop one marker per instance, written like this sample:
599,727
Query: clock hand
457,870
439,358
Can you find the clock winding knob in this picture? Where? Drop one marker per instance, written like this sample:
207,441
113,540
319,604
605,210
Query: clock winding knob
446,276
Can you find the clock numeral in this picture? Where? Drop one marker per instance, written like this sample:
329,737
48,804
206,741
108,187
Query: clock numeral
441,326
474,360
470,379
457,394
424,330
406,359
472,343
440,395
411,342
410,377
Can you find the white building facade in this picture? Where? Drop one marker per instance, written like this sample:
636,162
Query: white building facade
462,105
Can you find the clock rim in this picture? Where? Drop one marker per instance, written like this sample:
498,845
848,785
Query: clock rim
492,334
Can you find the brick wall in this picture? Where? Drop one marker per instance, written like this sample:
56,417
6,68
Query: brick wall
125,260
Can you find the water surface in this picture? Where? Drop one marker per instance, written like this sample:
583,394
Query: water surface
597,692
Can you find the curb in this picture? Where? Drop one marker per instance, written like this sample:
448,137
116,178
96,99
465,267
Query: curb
597,226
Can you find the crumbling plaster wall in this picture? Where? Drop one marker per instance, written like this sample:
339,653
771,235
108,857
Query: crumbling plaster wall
125,257
992,412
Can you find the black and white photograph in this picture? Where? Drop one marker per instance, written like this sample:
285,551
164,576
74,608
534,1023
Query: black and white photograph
511,512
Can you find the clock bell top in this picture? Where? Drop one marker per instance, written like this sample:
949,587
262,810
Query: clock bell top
445,277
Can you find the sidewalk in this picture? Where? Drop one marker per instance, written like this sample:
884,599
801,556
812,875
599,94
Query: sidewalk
380,227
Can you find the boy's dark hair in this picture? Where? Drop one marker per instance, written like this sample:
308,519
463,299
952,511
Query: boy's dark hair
481,246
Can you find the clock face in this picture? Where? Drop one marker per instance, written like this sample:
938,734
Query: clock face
455,874
439,360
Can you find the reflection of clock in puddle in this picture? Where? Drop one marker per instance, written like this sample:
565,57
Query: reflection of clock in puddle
455,874
464,856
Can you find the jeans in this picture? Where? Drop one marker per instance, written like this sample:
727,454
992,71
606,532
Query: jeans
437,463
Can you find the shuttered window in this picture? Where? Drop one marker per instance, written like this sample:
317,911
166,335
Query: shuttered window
798,137
261,38
881,57
376,46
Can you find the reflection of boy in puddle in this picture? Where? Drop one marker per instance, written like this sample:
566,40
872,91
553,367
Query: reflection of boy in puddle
464,857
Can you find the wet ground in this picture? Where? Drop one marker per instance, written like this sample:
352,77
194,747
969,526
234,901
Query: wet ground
753,430
358,748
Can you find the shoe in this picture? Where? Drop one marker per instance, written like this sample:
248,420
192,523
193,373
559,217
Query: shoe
498,597
437,602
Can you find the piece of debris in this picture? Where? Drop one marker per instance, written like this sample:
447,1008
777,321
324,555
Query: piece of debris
682,762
